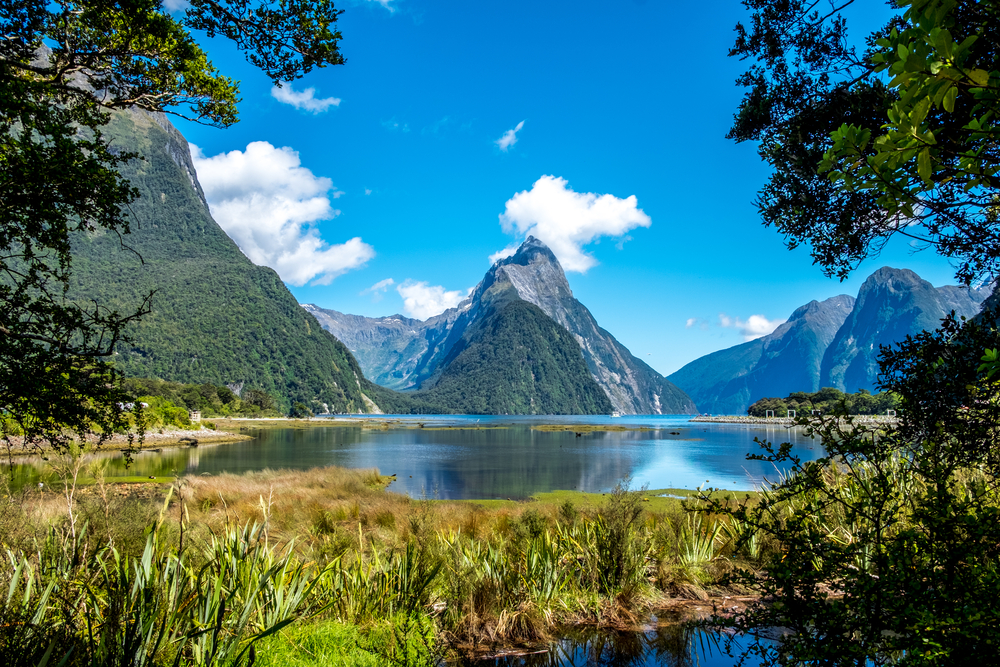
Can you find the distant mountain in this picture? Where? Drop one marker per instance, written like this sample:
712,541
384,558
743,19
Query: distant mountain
833,343
514,359
891,304
787,360
402,353
217,317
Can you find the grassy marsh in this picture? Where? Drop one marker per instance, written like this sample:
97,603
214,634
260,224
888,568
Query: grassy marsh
387,575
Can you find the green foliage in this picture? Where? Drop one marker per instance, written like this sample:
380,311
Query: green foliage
827,400
215,317
209,399
63,68
889,544
158,608
162,413
900,139
300,411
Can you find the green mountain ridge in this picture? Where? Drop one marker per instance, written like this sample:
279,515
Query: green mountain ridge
515,359
832,343
403,353
216,317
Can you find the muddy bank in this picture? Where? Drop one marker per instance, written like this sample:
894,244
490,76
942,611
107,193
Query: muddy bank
156,439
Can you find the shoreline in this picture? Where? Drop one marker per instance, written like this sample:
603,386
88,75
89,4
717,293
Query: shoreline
785,421
152,441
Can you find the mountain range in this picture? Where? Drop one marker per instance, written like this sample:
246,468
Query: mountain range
403,353
218,318
521,343
831,343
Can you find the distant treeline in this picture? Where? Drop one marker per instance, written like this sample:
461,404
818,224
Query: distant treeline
169,402
827,400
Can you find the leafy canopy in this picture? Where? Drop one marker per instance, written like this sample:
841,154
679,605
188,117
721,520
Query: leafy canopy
64,66
885,550
900,139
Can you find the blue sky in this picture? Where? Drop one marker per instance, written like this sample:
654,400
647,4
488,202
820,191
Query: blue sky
406,164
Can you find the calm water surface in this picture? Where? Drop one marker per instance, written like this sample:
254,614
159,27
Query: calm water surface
668,645
507,460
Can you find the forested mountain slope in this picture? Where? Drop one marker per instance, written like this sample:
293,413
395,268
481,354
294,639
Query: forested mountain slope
217,317
514,359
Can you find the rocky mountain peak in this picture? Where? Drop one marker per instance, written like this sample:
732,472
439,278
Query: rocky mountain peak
892,281
536,275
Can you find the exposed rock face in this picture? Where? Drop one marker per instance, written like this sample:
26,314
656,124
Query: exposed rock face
891,304
632,386
402,353
395,351
832,343
786,360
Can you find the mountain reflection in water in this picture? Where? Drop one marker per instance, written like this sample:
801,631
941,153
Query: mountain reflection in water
456,458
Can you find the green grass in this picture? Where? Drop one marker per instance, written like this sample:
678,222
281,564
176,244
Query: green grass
323,643
658,499
334,643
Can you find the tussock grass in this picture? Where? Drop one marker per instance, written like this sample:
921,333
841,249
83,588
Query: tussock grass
378,572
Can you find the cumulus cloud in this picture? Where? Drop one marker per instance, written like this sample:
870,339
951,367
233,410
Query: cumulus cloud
753,327
509,137
566,221
305,100
379,289
176,5
269,204
388,4
421,300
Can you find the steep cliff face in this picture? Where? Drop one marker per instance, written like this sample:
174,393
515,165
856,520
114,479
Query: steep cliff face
216,316
633,387
395,351
786,360
831,343
891,304
402,353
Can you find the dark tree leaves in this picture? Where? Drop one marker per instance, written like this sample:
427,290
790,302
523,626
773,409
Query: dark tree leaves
64,66
901,139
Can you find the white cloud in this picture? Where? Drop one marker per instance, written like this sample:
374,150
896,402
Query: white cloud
176,5
566,221
504,254
388,4
305,100
379,289
753,327
421,300
509,138
367,191
696,322
269,204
